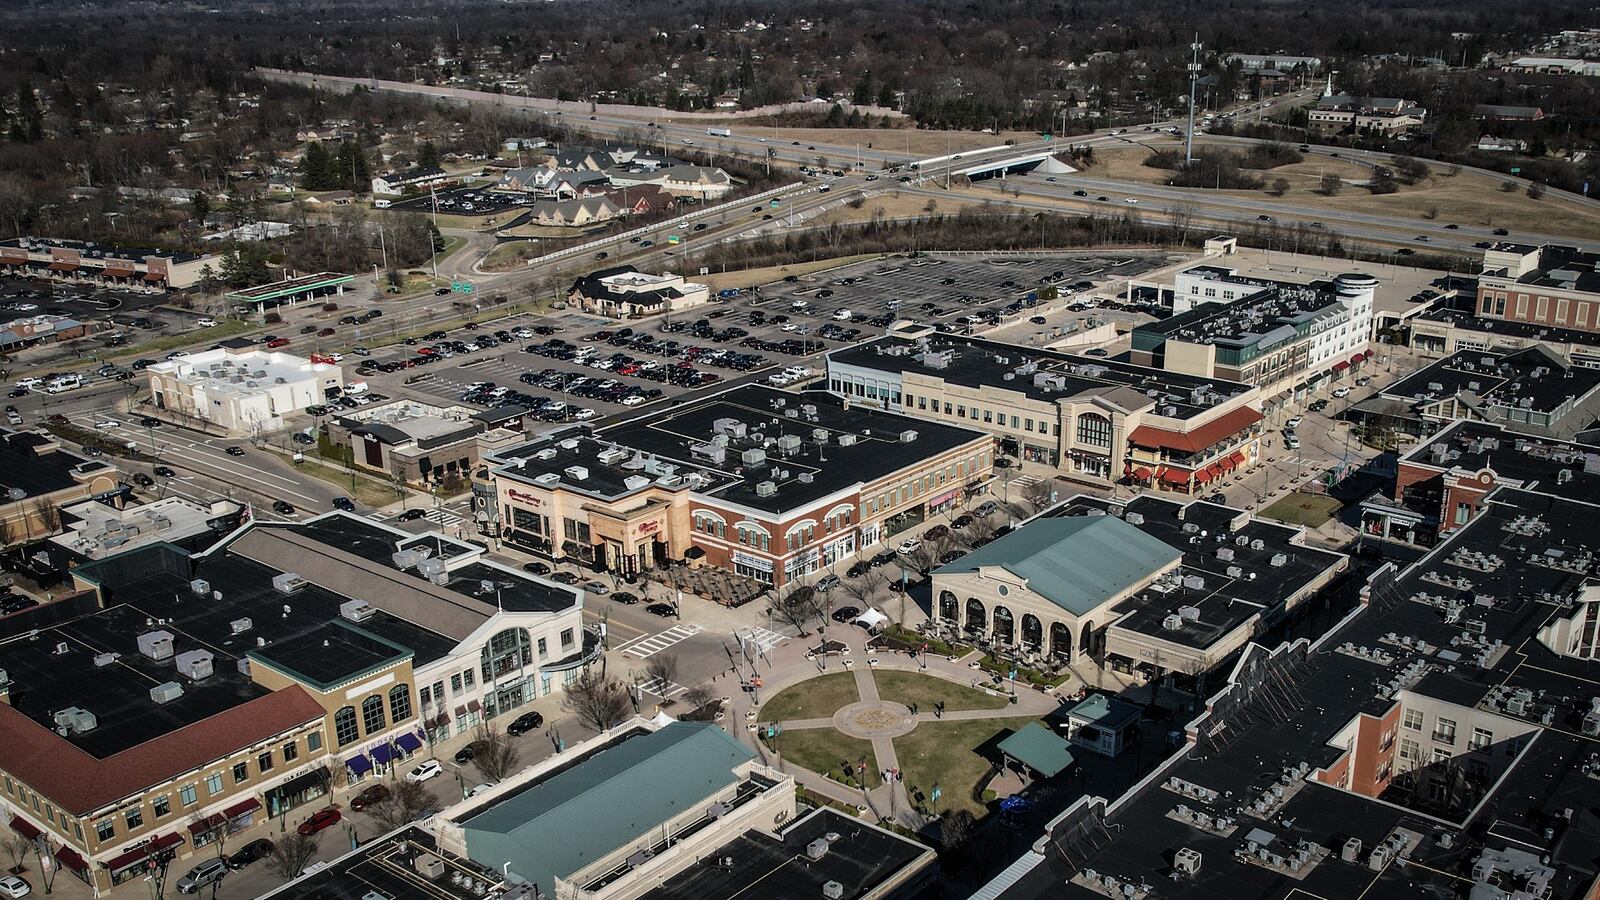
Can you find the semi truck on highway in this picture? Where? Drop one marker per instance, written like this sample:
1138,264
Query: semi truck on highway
720,132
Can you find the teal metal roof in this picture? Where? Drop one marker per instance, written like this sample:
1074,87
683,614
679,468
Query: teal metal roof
1106,712
1075,562
605,802
1038,748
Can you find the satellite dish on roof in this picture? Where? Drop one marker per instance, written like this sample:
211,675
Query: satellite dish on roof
16,493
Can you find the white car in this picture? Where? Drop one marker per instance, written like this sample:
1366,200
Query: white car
798,304
789,326
14,887
481,788
1294,422
429,769
108,423
581,415
207,323
361,351
842,315
1130,200
632,400
908,546
30,382
1341,392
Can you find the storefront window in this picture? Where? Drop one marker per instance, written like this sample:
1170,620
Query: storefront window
372,718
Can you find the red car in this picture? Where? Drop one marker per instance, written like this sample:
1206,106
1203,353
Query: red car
326,332
426,351
322,818
376,793
278,342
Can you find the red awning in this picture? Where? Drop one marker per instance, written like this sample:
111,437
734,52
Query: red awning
1225,464
1175,476
1340,366
474,705
1206,474
24,827
165,841
1366,354
154,276
1357,358
118,271
59,266
209,823
131,858
1199,438
1238,459
69,857
1142,473
239,809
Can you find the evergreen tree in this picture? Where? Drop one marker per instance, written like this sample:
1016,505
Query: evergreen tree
314,167
427,154
200,207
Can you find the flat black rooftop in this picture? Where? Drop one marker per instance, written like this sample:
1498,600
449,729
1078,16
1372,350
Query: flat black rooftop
1292,718
811,472
332,653
30,465
861,859
977,363
607,466
1536,463
388,866
1560,267
1248,320
1224,601
1531,379
92,250
1470,321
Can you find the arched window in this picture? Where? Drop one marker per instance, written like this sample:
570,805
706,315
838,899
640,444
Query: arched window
400,702
949,609
977,616
1060,640
1086,642
1094,430
1004,626
372,715
1032,631
344,726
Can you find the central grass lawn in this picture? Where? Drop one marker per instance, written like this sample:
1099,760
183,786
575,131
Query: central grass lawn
816,698
1300,508
946,753
822,750
366,490
910,687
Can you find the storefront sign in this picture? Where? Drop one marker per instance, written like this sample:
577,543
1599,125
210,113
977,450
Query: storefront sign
520,497
650,527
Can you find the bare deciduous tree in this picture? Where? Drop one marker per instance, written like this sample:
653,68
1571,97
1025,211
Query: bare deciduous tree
1038,495
699,697
291,854
865,586
799,607
16,847
663,669
407,800
493,753
597,699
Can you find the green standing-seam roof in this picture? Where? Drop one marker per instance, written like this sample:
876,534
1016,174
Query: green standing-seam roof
604,802
1106,712
1038,748
1075,562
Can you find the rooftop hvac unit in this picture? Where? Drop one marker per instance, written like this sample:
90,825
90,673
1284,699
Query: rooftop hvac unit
577,473
440,578
789,444
611,456
1258,544
547,453
1133,518
1225,554
817,849
832,890
166,692
200,587
635,482
805,477
196,665
75,720
548,479
1194,582
243,665
714,453
1189,613
356,610
820,435
101,660
1187,861
846,440
428,568
1279,560
5,677
428,865
569,444
1172,622
156,644
730,427
1235,572
287,582
907,436
405,559
755,456
1351,852
766,489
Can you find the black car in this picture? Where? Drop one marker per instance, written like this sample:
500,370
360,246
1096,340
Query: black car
344,504
258,849
845,613
164,471
282,508
537,568
664,610
149,422
235,451
410,515
143,480
625,598
858,569
565,578
525,723
300,437
464,755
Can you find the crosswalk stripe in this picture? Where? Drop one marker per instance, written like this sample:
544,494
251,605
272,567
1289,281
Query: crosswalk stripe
649,645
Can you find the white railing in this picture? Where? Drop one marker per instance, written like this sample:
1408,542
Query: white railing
785,190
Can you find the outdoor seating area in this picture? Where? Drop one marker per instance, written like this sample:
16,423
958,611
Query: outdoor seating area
717,585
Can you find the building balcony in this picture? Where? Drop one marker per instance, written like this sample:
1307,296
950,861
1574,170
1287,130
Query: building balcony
590,650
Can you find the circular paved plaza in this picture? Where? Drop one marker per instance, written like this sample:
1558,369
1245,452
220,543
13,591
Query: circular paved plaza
874,719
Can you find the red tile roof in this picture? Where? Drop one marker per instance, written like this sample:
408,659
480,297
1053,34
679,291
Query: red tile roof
1200,438
80,783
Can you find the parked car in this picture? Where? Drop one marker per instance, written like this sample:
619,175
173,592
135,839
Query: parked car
481,788
322,818
537,568
908,546
282,507
256,850
373,794
528,721
565,578
625,598
827,582
14,887
1341,392
202,875
465,755
845,613
664,610
426,770
1294,422
598,588
344,503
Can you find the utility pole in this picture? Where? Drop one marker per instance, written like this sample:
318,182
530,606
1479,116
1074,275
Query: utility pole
1194,79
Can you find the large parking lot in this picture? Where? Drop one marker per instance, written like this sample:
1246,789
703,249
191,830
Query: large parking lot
948,291
32,297
465,201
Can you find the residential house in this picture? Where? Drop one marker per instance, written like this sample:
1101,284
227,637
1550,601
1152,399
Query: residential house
573,213
420,178
1497,113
